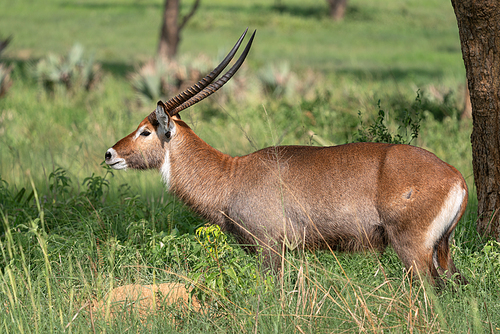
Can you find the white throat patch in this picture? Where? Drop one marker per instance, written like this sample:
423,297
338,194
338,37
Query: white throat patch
165,169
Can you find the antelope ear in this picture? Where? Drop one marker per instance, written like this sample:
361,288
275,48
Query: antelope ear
162,116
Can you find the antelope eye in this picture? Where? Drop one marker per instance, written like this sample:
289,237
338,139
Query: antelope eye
145,133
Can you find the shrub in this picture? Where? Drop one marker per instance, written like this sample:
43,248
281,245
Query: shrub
378,132
151,81
278,80
72,72
157,79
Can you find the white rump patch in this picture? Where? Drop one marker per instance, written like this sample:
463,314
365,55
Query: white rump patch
165,169
445,218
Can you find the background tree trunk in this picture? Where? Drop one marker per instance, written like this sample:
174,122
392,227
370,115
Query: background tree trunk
479,28
170,33
337,9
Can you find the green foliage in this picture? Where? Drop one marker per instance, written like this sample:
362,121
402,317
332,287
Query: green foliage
59,182
4,191
52,267
158,79
220,269
152,82
486,260
378,132
95,184
11,199
72,72
277,80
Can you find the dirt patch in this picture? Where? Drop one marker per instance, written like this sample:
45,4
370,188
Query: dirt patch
145,299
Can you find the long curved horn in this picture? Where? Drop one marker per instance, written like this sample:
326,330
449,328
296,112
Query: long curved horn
200,85
212,88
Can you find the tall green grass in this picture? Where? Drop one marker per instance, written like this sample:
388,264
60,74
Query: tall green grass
63,251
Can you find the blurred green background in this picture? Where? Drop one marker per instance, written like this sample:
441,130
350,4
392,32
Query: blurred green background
383,51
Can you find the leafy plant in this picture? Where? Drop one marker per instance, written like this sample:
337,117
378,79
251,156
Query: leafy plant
96,184
59,182
278,80
379,132
152,81
72,72
14,199
489,257
157,79
220,268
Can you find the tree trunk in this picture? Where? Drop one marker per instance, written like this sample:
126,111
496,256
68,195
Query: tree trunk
337,9
170,33
479,29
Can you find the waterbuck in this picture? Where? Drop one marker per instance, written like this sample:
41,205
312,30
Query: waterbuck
348,197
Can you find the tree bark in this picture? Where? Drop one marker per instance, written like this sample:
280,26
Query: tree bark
337,9
170,33
479,29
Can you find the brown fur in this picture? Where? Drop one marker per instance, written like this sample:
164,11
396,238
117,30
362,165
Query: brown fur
349,197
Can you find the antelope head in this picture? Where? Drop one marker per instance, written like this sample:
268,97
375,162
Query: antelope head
149,145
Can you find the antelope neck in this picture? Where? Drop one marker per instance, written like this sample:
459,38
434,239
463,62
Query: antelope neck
200,176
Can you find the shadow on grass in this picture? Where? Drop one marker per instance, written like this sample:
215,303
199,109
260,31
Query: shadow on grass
319,11
136,5
316,11
119,69
394,74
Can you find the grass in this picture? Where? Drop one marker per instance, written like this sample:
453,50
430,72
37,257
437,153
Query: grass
413,39
71,231
73,248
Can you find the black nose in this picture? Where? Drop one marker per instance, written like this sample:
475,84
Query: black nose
107,156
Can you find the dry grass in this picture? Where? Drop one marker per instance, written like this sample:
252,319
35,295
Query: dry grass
143,300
